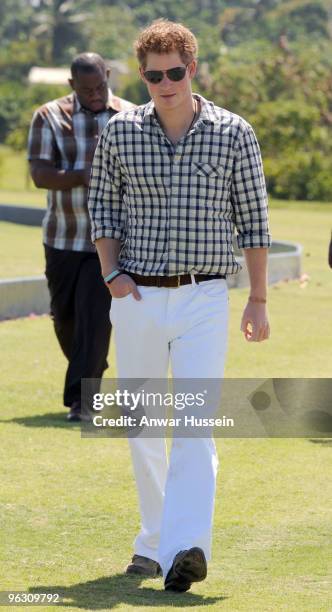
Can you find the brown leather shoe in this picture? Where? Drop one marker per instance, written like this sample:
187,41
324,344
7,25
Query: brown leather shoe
188,566
143,566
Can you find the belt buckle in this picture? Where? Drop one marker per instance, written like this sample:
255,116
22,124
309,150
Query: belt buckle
178,281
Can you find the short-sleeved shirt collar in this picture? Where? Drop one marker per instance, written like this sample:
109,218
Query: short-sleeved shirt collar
113,104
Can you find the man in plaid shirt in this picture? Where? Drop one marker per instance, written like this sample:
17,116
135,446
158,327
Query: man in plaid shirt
62,140
170,181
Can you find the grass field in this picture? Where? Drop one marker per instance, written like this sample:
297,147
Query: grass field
300,311
69,507
22,250
24,198
16,186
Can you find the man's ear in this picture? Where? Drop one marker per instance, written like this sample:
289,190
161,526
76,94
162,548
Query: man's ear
193,68
71,83
141,73
108,72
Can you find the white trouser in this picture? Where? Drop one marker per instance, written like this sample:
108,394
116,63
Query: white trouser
188,326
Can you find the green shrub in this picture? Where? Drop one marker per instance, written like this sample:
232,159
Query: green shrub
17,104
300,175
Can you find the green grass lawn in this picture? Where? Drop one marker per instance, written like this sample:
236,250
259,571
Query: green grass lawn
16,186
69,506
69,510
300,313
24,198
22,250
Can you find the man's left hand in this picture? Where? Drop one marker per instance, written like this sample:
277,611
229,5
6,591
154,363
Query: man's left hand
255,324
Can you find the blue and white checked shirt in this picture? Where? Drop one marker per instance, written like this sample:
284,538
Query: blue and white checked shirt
175,208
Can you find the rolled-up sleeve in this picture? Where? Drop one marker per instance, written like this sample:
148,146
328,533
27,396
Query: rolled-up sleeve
248,194
41,143
105,200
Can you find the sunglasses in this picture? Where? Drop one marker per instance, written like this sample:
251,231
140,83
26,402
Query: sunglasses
173,74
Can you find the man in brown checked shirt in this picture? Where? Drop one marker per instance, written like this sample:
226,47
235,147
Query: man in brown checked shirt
62,140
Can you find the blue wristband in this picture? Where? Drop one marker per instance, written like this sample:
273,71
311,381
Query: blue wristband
112,275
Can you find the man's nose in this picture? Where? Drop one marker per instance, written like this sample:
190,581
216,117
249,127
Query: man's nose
165,80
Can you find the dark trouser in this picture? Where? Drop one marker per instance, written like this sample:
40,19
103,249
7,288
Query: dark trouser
80,305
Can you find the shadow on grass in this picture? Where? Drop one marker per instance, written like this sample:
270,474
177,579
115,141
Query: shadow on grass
50,419
323,441
111,591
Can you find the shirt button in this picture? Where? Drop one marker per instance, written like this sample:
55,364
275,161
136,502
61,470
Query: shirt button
177,157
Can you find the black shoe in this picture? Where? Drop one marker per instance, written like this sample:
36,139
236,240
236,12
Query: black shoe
188,566
74,413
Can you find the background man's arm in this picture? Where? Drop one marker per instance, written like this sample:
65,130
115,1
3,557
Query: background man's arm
46,176
42,156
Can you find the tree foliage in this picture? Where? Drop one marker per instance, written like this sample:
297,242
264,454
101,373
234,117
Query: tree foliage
268,60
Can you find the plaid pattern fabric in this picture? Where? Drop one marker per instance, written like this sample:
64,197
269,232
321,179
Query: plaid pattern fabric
175,207
66,134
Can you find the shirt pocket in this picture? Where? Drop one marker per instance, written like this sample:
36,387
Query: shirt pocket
210,185
208,171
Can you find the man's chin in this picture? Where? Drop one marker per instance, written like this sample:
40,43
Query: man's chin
96,108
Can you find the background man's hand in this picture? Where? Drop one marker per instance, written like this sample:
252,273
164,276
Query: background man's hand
86,173
255,324
122,285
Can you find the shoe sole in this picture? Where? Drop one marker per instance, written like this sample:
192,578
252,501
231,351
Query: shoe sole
189,567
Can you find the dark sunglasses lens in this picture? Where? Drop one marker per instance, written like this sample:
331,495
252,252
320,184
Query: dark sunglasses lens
176,74
154,76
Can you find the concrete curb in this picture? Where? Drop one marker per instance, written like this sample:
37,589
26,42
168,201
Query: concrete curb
20,297
284,263
23,215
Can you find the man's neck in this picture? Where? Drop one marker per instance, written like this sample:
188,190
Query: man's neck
177,122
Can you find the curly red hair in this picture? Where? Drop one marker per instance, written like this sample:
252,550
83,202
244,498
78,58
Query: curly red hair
164,36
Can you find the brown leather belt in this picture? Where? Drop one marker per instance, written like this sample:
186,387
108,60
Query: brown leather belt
171,281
